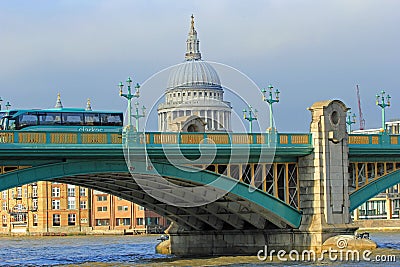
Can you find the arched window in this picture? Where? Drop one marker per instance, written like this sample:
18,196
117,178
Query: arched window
192,128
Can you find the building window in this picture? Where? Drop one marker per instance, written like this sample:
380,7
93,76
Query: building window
102,222
34,204
55,204
4,205
140,207
20,218
56,220
152,220
26,192
83,205
104,208
55,192
71,204
139,221
84,220
20,207
34,191
123,208
123,221
4,220
35,220
71,219
71,191
82,192
101,198
19,190
4,194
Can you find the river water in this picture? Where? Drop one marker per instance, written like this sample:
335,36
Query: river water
139,251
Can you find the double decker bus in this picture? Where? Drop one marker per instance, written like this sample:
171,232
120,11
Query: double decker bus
61,119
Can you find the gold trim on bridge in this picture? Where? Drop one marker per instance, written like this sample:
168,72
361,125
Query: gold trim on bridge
165,139
394,140
98,138
359,139
283,139
242,139
32,138
300,138
116,138
218,138
63,138
191,138
6,137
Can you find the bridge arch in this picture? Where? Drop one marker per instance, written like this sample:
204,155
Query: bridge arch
241,208
368,191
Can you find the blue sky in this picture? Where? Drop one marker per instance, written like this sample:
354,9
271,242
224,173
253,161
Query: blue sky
310,50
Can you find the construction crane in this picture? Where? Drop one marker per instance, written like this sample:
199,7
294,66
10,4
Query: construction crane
361,119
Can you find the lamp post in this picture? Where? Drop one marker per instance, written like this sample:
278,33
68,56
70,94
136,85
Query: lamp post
129,97
252,115
1,101
380,101
137,116
270,100
8,105
350,120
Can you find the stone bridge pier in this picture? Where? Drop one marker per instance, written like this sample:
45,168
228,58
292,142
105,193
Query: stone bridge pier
324,178
324,199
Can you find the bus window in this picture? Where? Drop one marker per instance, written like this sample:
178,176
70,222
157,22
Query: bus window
111,119
72,118
27,119
11,124
3,123
50,118
92,119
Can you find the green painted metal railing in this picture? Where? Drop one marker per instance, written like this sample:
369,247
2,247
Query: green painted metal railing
154,138
357,140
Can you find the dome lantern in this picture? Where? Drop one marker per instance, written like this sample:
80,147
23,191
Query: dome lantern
192,43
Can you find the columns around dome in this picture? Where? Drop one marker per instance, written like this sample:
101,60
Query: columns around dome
204,116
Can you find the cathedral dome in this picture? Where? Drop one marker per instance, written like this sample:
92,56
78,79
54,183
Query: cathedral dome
194,99
193,74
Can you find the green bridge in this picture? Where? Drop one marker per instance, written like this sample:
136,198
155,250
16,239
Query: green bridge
287,190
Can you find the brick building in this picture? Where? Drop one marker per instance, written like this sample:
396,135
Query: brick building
47,208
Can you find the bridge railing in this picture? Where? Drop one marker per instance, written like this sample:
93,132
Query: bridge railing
283,139
372,140
58,137
154,138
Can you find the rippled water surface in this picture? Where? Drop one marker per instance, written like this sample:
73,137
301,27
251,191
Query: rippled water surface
139,250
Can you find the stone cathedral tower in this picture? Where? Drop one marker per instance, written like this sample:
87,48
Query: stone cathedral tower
194,99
